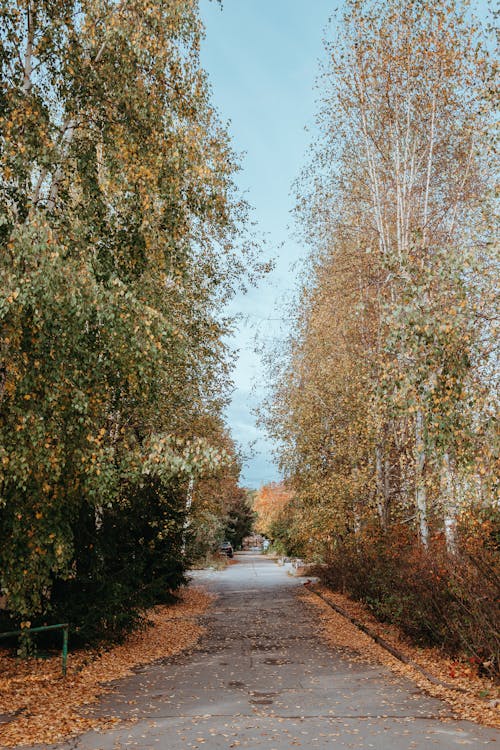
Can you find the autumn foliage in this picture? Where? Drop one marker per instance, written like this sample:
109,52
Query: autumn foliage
273,506
384,397
122,236
435,599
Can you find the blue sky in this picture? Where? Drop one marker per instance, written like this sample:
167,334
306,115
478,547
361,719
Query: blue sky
262,59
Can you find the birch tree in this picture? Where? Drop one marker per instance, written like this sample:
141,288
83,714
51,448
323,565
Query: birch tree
122,236
393,206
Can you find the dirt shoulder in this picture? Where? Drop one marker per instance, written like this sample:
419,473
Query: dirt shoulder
476,702
40,706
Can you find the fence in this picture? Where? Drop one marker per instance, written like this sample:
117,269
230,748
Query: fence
43,628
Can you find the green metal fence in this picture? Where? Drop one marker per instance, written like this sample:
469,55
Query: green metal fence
43,628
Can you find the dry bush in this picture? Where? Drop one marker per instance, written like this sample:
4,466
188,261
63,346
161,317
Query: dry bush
435,598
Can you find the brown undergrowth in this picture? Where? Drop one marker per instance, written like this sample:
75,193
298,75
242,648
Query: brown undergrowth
475,704
47,706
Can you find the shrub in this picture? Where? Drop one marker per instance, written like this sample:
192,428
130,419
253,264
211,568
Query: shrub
436,599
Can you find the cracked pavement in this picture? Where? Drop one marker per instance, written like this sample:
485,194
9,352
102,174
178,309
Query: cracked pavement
262,678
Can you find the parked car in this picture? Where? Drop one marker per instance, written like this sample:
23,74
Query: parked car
227,549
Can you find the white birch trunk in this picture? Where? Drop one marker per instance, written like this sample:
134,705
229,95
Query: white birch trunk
68,133
449,506
187,522
420,491
356,521
382,487
28,57
429,173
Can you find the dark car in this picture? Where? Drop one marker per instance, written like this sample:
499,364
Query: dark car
227,549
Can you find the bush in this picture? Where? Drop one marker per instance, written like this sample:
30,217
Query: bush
436,599
127,558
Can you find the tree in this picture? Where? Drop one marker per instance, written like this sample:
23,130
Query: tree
240,518
120,232
220,508
385,388
278,519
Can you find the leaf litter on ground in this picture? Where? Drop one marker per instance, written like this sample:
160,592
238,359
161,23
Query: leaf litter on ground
480,700
41,706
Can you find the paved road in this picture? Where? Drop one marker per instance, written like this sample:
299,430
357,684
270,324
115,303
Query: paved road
261,679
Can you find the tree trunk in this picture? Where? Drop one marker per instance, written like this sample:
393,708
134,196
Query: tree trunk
449,506
382,487
420,491
187,522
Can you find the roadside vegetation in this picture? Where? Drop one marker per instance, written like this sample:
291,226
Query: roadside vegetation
384,398
122,237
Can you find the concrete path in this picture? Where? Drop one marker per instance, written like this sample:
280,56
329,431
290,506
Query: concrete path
262,679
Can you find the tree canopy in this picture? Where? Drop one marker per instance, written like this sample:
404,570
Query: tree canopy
122,236
384,403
